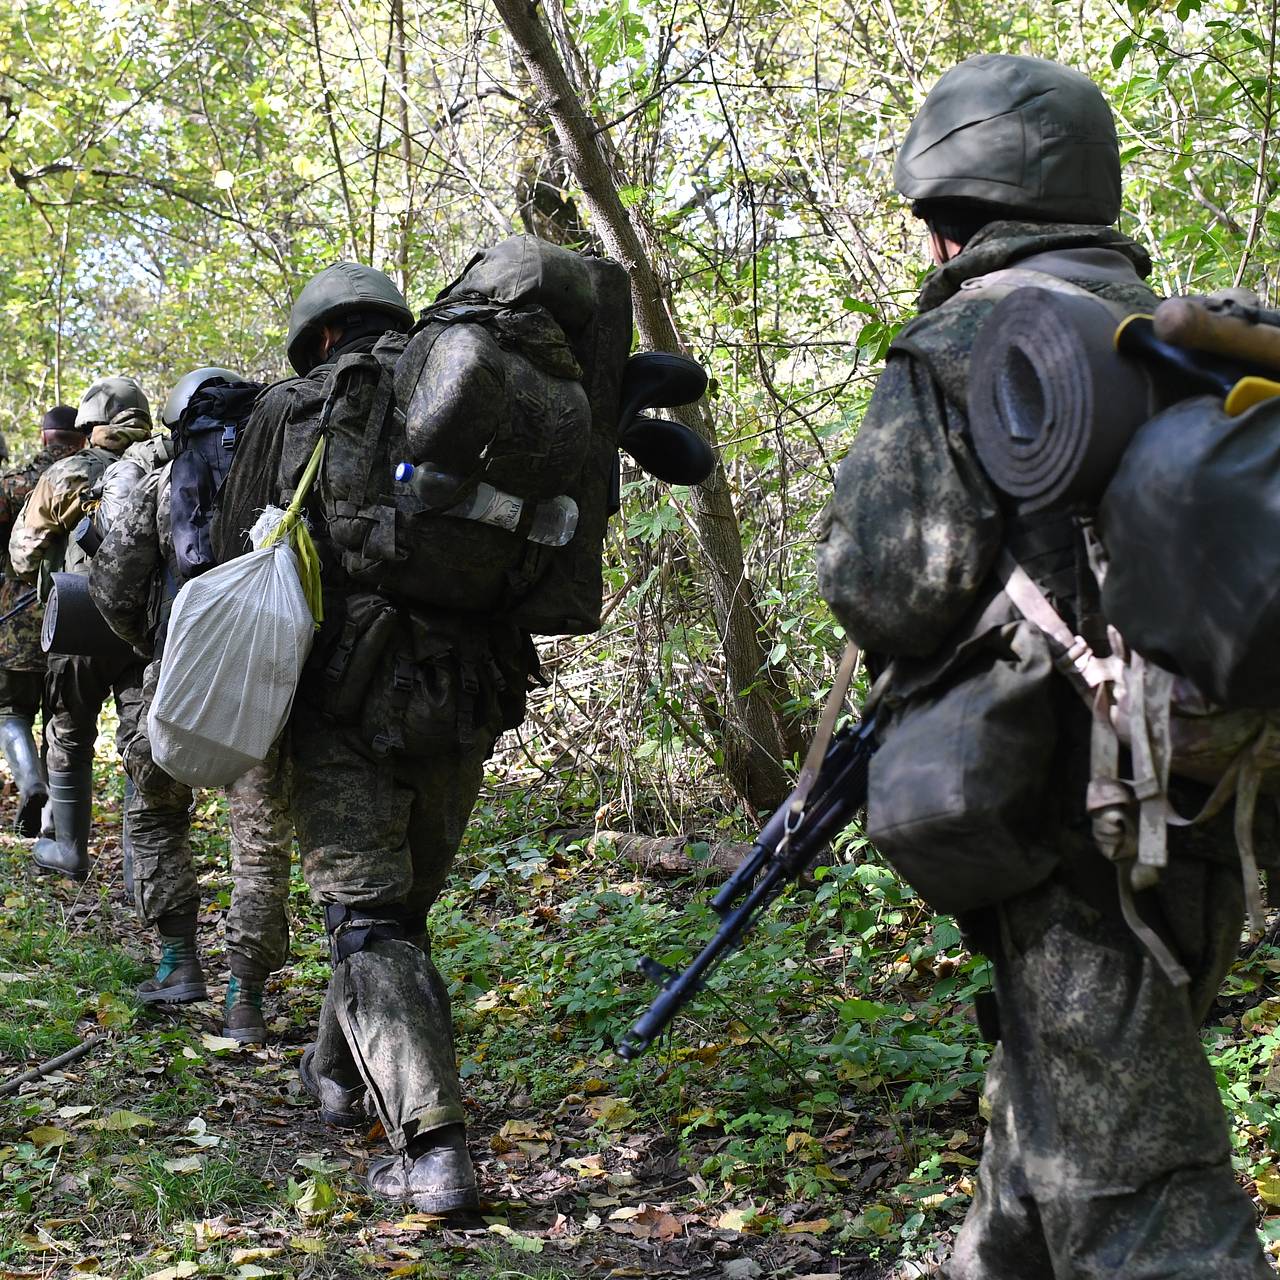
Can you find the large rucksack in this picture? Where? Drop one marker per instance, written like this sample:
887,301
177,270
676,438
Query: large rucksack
512,380
204,440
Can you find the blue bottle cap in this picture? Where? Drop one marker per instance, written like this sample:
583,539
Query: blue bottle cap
404,471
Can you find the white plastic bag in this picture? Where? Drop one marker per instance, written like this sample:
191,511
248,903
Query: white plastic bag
238,637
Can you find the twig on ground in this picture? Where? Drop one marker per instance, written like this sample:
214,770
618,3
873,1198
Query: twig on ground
14,1083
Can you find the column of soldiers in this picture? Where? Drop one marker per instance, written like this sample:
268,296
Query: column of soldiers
1107,1153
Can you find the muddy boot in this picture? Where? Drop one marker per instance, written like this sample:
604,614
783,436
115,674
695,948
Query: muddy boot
71,798
434,1173
341,1099
179,978
242,1019
24,764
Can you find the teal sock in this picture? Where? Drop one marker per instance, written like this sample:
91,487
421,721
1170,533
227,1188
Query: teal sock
243,991
174,954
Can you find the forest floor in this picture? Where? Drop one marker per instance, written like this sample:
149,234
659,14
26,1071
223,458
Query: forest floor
824,1124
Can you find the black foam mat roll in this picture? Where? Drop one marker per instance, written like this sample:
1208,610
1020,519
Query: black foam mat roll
1052,406
73,625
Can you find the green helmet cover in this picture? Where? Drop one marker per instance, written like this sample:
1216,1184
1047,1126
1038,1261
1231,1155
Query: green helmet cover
108,397
1025,135
345,286
187,386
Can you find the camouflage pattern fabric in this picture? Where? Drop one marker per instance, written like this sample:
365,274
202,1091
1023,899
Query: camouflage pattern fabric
20,637
381,835
75,690
21,693
914,526
1107,1152
127,581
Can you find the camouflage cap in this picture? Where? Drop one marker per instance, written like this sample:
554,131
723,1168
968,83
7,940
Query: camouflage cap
343,287
1025,135
108,397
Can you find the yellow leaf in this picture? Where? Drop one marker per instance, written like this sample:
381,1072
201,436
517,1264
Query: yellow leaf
737,1219
47,1135
219,1044
612,1113
308,1244
182,1270
119,1121
814,1227
1268,1185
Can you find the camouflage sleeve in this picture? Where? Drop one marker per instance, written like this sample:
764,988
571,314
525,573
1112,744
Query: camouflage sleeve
913,526
51,512
122,576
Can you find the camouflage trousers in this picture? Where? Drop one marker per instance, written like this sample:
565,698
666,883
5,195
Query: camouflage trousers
21,694
75,691
158,826
377,836
1107,1152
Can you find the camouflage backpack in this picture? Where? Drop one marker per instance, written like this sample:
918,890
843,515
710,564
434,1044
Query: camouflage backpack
511,380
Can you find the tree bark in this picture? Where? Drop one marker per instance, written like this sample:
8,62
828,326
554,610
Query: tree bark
756,737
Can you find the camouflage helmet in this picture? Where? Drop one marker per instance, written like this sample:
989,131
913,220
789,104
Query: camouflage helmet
343,287
1025,135
187,386
109,397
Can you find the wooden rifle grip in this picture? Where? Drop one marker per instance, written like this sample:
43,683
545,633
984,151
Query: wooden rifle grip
1185,322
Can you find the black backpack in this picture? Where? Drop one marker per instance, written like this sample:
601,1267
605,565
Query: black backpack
205,439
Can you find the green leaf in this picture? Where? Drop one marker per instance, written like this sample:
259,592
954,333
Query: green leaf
1121,51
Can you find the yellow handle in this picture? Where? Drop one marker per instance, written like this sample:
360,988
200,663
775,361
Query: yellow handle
1248,392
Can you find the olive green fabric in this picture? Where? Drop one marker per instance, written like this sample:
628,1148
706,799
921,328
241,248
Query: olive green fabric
1022,134
110,399
345,286
1107,1152
914,525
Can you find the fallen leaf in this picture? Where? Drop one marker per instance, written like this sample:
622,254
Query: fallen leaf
219,1044
198,1134
307,1244
185,1164
611,1113
741,1269
1268,1185
737,1219
814,1227
527,1244
175,1273
47,1135
71,1113
119,1122
315,1200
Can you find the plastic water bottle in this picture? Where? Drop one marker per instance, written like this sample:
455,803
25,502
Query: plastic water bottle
554,521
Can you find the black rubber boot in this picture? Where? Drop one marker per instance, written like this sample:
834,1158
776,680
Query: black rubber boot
242,1018
71,798
434,1173
19,748
341,1102
179,978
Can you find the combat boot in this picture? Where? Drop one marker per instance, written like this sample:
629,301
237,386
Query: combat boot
242,1019
71,798
24,764
179,978
341,1100
434,1173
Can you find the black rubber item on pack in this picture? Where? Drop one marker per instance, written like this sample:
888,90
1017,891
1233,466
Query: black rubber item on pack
660,380
1191,523
669,451
1052,406
72,623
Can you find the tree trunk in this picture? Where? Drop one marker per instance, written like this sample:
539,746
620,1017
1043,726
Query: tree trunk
756,737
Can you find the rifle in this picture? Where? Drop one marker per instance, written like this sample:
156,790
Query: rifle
831,789
24,601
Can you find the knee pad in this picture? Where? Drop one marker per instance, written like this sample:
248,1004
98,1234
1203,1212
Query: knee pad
353,929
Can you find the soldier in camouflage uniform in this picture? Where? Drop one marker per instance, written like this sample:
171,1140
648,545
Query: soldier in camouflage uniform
133,580
115,413
1107,1152
386,744
22,661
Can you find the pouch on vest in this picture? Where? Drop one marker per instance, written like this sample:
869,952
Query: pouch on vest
958,787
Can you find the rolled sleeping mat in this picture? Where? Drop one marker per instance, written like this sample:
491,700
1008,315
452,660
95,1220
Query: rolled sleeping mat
669,451
73,625
1052,405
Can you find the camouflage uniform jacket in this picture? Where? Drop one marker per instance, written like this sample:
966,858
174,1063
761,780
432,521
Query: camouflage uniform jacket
914,526
133,576
57,503
20,637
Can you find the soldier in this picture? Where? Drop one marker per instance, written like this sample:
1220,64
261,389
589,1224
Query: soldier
378,821
115,413
134,579
1107,1152
22,661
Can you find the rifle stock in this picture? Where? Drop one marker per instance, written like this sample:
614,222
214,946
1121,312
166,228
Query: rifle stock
776,859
